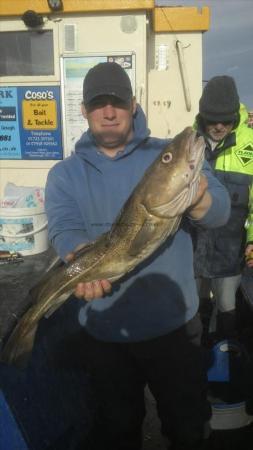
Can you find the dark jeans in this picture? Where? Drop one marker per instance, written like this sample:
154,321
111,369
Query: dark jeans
173,366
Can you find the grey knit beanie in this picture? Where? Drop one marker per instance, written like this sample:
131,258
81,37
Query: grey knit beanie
220,100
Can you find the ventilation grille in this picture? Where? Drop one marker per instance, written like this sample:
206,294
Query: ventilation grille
70,38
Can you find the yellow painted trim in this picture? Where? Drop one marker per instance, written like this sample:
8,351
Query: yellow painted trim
18,7
180,19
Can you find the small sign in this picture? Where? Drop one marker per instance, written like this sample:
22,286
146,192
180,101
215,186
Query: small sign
30,121
39,115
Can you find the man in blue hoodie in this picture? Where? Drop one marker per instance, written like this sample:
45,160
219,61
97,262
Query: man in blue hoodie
144,329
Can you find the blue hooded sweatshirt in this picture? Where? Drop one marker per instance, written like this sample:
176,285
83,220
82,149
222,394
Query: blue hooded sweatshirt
84,194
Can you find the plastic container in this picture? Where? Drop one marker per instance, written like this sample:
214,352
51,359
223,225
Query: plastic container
23,230
227,358
230,416
229,362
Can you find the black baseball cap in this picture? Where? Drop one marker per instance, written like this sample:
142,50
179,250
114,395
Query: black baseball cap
107,78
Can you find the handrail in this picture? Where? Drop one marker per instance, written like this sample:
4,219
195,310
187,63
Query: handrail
184,77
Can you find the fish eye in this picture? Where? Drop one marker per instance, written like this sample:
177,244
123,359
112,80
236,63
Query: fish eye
167,157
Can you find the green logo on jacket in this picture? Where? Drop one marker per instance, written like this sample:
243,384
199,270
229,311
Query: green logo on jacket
245,154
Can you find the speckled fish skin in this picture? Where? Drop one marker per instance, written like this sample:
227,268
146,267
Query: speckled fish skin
151,214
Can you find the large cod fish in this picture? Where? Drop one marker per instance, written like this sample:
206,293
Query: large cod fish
151,214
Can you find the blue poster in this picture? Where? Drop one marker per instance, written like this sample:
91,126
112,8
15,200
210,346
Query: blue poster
9,128
30,123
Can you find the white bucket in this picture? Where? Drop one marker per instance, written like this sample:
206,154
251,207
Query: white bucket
230,416
23,230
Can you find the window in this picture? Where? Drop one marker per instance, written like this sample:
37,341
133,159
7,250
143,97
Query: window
26,53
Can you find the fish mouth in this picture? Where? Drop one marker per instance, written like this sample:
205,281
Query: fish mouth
195,154
195,140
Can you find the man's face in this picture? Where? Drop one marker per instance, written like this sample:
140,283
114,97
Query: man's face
110,121
218,131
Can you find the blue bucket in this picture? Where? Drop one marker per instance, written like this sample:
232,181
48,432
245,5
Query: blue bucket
227,358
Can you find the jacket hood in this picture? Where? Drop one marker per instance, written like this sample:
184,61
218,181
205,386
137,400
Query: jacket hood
86,147
244,116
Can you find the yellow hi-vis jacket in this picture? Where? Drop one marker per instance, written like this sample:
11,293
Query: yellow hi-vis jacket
249,220
220,252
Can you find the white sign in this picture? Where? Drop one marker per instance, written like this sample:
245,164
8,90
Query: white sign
73,70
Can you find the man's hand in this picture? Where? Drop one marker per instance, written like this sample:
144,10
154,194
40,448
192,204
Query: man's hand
202,200
249,255
94,289
90,290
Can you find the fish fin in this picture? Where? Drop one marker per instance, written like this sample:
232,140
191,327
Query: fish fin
57,304
141,242
141,239
18,348
84,249
37,288
57,261
145,233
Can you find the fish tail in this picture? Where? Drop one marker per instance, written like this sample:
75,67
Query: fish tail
18,347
